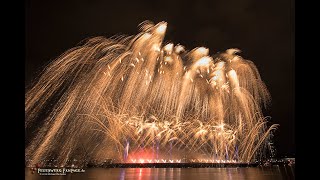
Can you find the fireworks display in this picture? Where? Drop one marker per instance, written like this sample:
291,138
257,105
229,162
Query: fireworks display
134,97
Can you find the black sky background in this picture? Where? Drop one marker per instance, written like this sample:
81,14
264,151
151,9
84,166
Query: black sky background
263,30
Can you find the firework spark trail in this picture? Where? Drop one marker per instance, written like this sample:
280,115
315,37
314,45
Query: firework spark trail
124,94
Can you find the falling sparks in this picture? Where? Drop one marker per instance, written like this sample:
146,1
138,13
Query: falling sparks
156,48
168,103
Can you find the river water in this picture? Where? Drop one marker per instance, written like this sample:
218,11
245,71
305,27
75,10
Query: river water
261,173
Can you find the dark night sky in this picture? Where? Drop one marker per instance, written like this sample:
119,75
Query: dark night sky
263,30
